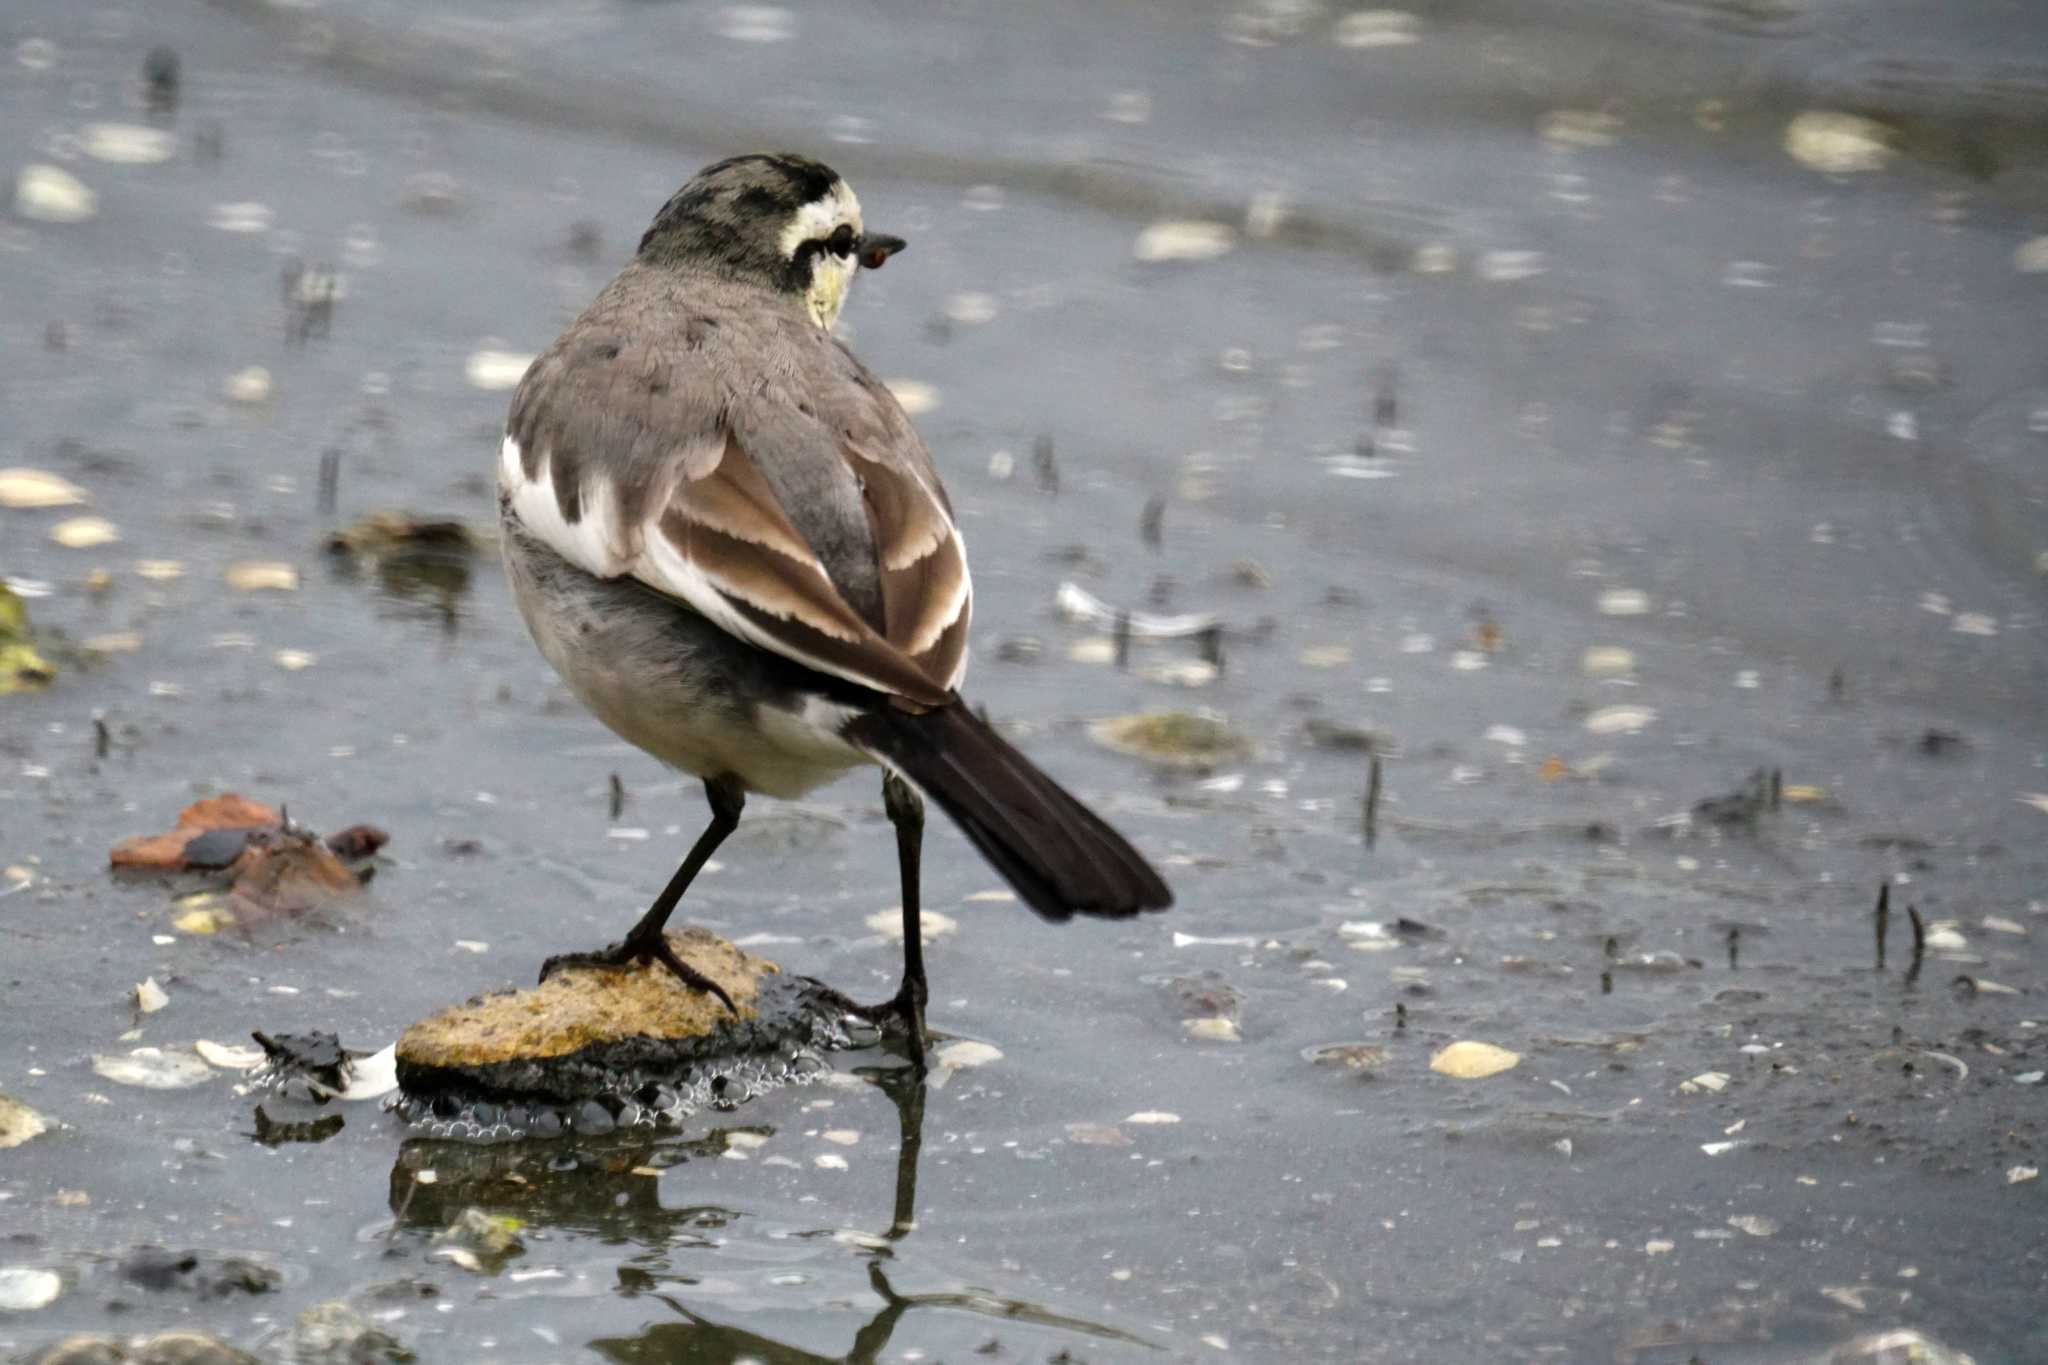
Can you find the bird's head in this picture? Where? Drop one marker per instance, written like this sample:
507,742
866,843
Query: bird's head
780,220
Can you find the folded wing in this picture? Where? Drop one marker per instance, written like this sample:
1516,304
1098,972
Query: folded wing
784,496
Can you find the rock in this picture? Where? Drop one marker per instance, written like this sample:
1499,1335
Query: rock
1900,1346
589,1031
480,1241
199,1273
333,1333
1173,739
51,194
19,1123
165,1348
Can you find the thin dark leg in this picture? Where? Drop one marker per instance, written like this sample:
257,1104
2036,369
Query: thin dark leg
906,813
646,940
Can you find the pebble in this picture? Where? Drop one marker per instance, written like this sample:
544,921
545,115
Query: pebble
256,575
1213,1029
19,1123
150,997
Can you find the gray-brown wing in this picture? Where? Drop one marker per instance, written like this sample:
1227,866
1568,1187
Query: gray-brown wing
755,472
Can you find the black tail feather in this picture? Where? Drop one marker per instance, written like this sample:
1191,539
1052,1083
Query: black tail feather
1059,856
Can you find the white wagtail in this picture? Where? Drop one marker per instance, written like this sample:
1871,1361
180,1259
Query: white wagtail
726,536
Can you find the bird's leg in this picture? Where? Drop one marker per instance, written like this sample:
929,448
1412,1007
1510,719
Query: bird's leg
906,813
646,941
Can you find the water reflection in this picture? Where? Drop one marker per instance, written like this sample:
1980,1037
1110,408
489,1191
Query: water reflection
610,1188
421,566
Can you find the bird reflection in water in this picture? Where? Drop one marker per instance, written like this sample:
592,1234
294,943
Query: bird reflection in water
608,1188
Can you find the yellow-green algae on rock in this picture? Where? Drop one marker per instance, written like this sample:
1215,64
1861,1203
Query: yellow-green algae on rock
598,1031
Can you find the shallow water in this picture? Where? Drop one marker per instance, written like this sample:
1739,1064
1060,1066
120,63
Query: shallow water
1534,340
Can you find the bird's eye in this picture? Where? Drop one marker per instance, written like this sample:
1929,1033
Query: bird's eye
842,241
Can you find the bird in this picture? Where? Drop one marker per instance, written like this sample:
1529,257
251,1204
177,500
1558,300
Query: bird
728,539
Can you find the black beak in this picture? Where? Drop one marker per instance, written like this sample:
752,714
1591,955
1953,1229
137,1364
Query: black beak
877,247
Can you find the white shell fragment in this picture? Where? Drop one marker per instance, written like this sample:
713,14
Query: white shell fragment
255,575
1623,602
931,924
150,997
916,396
250,386
1607,661
492,370
1367,28
1837,143
51,194
2015,1175
372,1077
24,1288
127,144
84,533
37,488
229,1058
1184,240
1467,1060
1213,1029
152,1068
1620,720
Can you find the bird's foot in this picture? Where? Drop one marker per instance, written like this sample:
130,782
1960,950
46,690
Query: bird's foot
904,1010
631,951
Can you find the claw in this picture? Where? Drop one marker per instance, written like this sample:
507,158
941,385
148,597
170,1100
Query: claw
628,953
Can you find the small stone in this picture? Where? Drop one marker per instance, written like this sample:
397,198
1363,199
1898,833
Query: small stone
1714,1082
1152,1116
829,1161
150,997
51,194
1756,1225
2015,1175
840,1137
1469,1060
333,1333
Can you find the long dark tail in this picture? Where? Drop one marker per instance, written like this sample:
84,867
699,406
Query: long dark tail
1059,855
